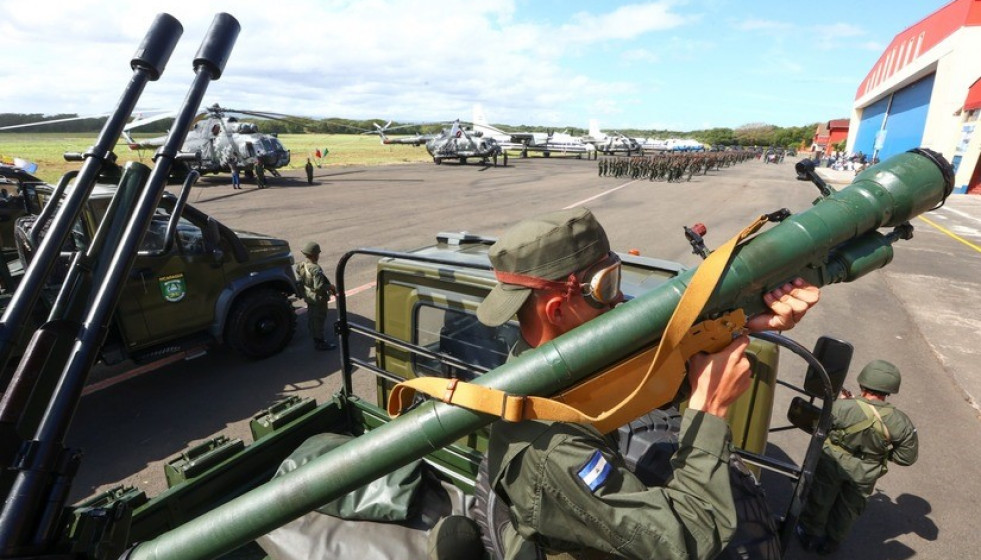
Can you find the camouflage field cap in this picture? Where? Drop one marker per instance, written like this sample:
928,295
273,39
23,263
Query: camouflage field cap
311,248
551,246
880,375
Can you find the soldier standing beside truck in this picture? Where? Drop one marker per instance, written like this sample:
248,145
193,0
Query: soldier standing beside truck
866,433
566,486
317,290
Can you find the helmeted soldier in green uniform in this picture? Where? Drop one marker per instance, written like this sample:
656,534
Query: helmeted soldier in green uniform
567,487
866,433
317,290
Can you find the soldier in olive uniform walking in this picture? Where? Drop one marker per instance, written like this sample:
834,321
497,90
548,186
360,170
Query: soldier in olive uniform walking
567,487
317,290
866,433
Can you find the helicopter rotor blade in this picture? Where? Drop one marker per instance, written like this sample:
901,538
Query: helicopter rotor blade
54,121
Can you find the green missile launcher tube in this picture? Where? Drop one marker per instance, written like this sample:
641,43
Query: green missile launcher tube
834,241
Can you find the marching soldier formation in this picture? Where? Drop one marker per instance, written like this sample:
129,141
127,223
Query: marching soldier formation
671,167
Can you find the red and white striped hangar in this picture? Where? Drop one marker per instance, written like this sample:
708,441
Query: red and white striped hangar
925,90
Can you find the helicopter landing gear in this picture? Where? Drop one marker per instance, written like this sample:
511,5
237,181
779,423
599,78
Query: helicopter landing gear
437,160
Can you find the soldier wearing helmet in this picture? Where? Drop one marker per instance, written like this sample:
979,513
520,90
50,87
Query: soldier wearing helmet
866,434
317,290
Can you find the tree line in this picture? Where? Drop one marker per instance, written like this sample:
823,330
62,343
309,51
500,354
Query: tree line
753,134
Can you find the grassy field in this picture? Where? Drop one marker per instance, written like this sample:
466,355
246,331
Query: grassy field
47,149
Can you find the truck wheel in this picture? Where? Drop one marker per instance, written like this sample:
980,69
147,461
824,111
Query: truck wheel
261,324
647,445
490,513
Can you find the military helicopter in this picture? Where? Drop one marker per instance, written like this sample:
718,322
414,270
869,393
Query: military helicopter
612,143
454,142
221,140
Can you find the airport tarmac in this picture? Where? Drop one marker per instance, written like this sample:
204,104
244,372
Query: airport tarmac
920,312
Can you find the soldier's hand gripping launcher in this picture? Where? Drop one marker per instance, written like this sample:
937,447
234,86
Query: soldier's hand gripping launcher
36,484
837,240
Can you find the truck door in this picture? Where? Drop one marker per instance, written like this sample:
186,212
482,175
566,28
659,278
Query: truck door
174,288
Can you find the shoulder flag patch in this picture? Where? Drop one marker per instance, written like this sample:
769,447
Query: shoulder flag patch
595,471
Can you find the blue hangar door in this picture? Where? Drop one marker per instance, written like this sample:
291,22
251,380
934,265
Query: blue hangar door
904,115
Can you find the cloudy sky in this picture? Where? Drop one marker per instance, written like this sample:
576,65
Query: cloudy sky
672,64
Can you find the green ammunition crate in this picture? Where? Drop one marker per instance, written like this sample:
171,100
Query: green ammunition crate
279,415
201,458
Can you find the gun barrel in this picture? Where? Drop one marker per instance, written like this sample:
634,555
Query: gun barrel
885,195
147,65
25,517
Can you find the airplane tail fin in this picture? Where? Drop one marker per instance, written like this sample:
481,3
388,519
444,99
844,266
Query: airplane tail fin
479,118
594,131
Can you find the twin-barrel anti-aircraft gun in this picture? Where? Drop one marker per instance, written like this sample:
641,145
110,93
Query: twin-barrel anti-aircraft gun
837,240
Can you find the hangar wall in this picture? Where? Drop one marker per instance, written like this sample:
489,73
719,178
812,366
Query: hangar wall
916,91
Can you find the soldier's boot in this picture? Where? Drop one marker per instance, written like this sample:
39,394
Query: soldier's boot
321,344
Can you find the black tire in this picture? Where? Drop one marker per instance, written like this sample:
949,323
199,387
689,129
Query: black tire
647,445
490,513
650,441
261,324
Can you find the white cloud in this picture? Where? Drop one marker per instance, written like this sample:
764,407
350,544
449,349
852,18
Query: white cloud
626,22
640,55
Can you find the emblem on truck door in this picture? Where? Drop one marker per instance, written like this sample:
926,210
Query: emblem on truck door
173,287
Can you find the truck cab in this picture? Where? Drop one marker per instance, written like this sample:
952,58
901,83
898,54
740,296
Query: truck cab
195,282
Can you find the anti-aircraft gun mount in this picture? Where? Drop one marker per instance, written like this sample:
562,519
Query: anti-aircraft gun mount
38,404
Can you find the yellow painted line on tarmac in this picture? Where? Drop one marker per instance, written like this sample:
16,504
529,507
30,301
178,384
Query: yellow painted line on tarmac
153,366
604,193
952,234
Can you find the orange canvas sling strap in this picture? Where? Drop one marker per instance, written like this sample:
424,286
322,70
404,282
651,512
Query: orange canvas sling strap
622,392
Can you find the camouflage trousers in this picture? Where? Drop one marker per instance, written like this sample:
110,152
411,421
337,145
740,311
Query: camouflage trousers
835,502
316,318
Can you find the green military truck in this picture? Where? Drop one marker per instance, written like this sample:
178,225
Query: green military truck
426,325
195,281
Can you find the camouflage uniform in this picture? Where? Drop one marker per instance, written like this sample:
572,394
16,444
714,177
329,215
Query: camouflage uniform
317,290
865,435
569,490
